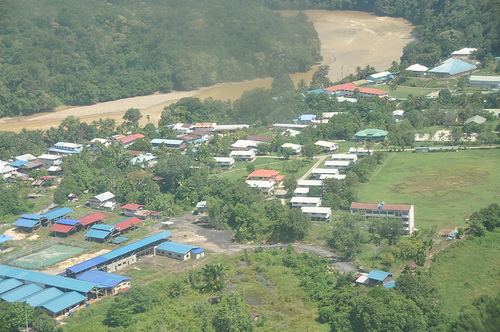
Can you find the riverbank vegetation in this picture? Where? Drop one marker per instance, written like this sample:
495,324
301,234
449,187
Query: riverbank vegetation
81,52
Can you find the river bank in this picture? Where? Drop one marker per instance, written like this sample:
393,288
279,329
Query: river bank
349,39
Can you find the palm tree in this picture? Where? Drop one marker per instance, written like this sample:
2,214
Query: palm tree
214,276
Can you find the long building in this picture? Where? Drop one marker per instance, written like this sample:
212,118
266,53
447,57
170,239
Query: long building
405,212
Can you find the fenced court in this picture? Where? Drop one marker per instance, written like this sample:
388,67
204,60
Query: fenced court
46,257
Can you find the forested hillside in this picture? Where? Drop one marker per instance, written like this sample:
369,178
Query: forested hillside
82,52
442,25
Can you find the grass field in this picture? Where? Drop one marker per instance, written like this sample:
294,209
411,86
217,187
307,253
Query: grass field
466,270
46,257
444,187
404,91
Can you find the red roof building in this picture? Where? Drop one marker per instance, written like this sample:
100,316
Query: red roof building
91,219
129,139
127,224
62,229
132,206
348,89
265,174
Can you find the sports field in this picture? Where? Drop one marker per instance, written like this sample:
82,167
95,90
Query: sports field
46,257
445,187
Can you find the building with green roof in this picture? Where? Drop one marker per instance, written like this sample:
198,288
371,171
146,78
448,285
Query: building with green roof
371,135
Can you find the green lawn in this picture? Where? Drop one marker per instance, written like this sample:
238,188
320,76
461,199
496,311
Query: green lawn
403,91
466,270
444,187
295,167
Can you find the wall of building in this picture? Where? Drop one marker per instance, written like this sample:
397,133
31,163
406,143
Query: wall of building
121,264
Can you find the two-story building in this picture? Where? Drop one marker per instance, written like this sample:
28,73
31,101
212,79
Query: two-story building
404,212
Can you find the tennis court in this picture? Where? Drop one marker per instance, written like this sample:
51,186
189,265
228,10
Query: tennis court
46,257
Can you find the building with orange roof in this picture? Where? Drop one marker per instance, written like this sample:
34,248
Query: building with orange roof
266,175
348,89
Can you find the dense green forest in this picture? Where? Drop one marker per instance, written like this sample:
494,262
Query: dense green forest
442,25
81,52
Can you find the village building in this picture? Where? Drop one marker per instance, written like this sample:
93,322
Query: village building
327,146
105,200
301,192
329,115
296,148
317,213
179,251
224,162
452,68
349,89
376,277
417,69
230,127
404,212
345,157
305,118
64,148
266,175
128,140
360,152
91,219
398,115
265,186
6,171
488,82
25,157
298,202
131,209
97,140
182,128
243,155
339,165
244,144
169,143
290,132
144,160
464,53
50,160
371,135
332,176
204,125
380,77
316,173
477,119
309,183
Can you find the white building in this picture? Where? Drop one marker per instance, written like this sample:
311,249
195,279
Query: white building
341,165
298,202
301,192
231,127
169,143
490,82
183,128
317,172
327,146
360,151
244,144
398,115
105,201
247,155
345,157
179,251
290,132
309,183
417,69
405,212
464,53
297,148
6,171
289,126
332,176
317,213
25,157
224,161
265,187
65,148
50,160
144,160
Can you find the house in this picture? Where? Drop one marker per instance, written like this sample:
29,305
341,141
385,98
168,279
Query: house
25,157
127,224
91,219
464,53
103,201
100,232
290,132
131,209
243,155
452,68
380,77
371,135
293,126
182,128
327,146
404,212
224,162
317,213
417,69
316,173
360,152
169,143
201,207
342,99
30,166
205,125
144,160
244,144
332,176
231,127
488,82
298,202
64,148
55,170
349,89
260,138
329,115
301,192
309,183
340,165
305,118
179,251
103,141
376,277
128,140
477,119
265,186
296,148
266,175
7,171
398,115
345,157
50,160
64,227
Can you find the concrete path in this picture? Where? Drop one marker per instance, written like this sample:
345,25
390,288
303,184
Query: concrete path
320,158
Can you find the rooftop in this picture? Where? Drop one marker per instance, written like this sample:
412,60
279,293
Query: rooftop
132,206
417,68
453,67
104,196
263,173
297,199
381,206
370,132
179,248
130,138
378,275
310,209
105,279
91,218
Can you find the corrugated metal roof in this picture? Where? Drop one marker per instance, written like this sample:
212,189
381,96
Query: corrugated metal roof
68,222
453,67
85,265
31,216
8,284
378,275
103,227
104,279
175,247
97,234
61,228
46,279
57,213
43,296
63,302
126,224
28,223
21,292
4,238
91,218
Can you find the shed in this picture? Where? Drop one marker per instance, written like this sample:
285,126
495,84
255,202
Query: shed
20,293
91,219
179,251
103,279
63,303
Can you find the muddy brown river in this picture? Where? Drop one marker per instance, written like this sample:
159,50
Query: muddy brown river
348,39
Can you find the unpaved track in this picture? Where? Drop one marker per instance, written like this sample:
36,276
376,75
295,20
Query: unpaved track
349,39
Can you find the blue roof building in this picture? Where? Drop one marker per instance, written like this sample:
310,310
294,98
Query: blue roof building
378,275
57,213
64,302
68,222
64,148
43,296
104,279
8,284
20,293
4,238
27,224
306,118
452,67
179,251
18,163
381,277
170,143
